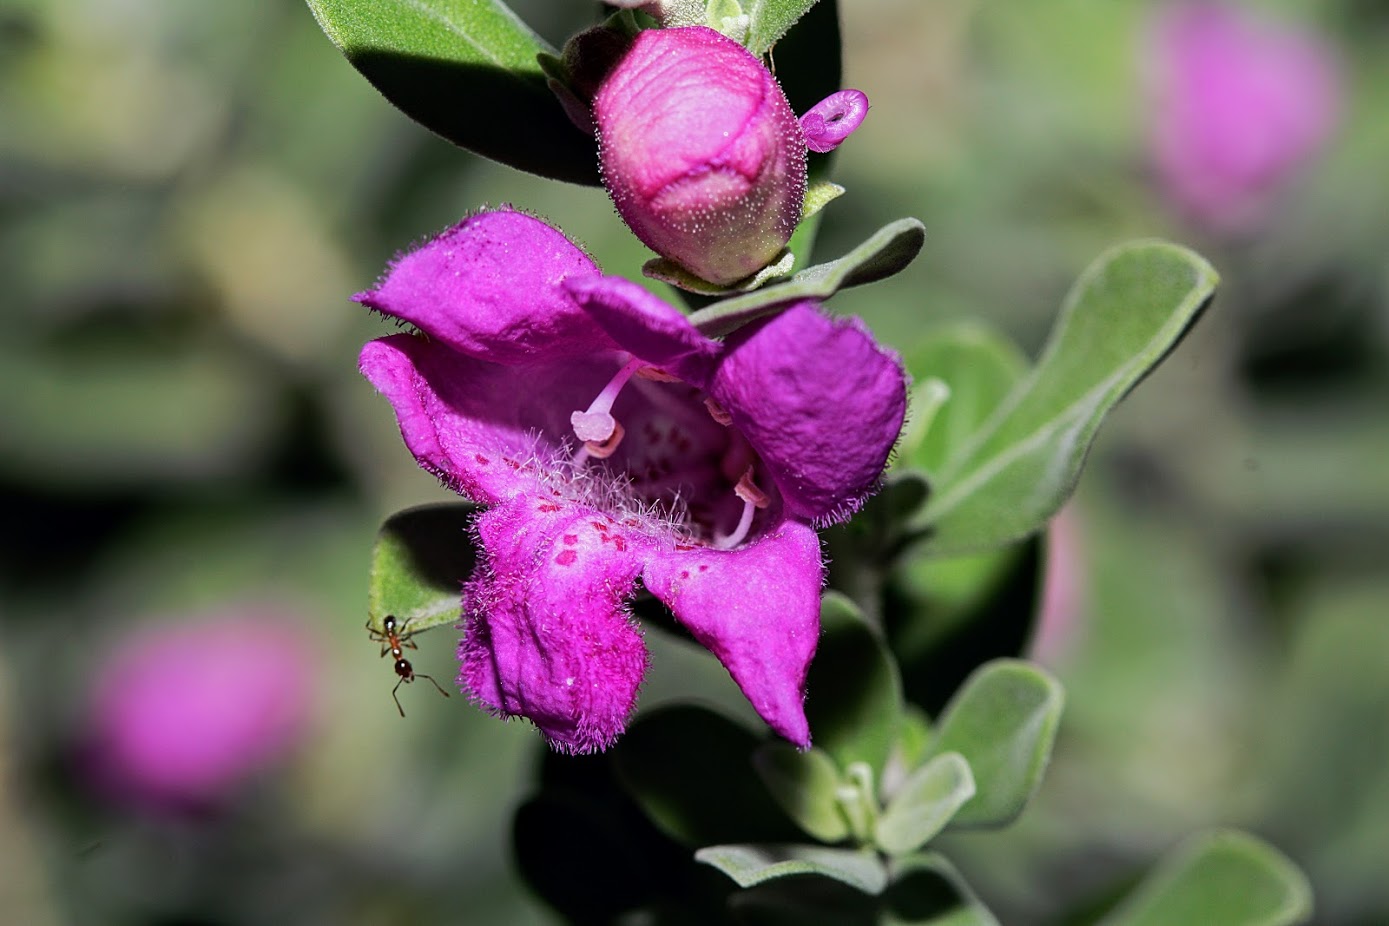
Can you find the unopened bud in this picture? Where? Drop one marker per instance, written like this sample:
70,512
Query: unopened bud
701,153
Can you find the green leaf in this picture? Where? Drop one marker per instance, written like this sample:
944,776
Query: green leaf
579,858
1128,310
978,367
913,738
855,695
1224,877
888,251
754,864
769,20
668,271
958,613
467,70
818,195
113,412
929,797
688,769
926,890
419,564
1002,721
803,784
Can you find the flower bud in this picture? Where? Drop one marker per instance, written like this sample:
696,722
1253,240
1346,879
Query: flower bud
701,153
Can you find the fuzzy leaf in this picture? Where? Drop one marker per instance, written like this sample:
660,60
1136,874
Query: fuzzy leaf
926,890
979,367
803,784
1128,310
467,70
1002,721
769,20
1224,877
754,864
421,559
688,769
668,271
929,797
887,252
818,195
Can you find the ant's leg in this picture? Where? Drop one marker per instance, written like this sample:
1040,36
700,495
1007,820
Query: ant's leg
434,683
397,699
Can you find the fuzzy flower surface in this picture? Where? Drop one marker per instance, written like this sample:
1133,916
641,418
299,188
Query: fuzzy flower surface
1240,102
616,445
703,157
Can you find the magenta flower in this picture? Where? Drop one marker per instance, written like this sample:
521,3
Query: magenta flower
616,444
1240,104
701,152
183,714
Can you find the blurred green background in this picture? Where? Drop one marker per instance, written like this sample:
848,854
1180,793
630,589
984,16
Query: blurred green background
189,193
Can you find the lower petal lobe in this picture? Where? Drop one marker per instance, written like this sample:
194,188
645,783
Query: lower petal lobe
548,637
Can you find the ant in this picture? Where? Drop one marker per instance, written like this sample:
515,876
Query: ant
393,639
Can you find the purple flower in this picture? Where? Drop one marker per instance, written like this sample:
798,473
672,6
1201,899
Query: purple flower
618,445
701,152
181,715
1239,104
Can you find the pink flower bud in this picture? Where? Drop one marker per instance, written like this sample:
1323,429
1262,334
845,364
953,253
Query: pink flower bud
182,714
1239,104
701,152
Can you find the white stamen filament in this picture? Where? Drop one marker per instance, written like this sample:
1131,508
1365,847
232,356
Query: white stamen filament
597,425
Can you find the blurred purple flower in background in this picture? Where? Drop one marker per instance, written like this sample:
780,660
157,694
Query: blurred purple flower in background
1240,102
701,152
616,443
1061,612
181,714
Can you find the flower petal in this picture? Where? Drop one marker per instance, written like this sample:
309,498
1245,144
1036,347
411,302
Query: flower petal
548,638
489,287
646,326
756,608
488,431
820,401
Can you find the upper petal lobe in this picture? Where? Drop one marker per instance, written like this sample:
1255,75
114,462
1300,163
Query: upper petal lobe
820,401
490,288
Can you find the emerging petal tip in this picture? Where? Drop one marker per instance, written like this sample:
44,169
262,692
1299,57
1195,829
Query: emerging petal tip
833,119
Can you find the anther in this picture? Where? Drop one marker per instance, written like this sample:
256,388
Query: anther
717,411
600,450
753,498
657,375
